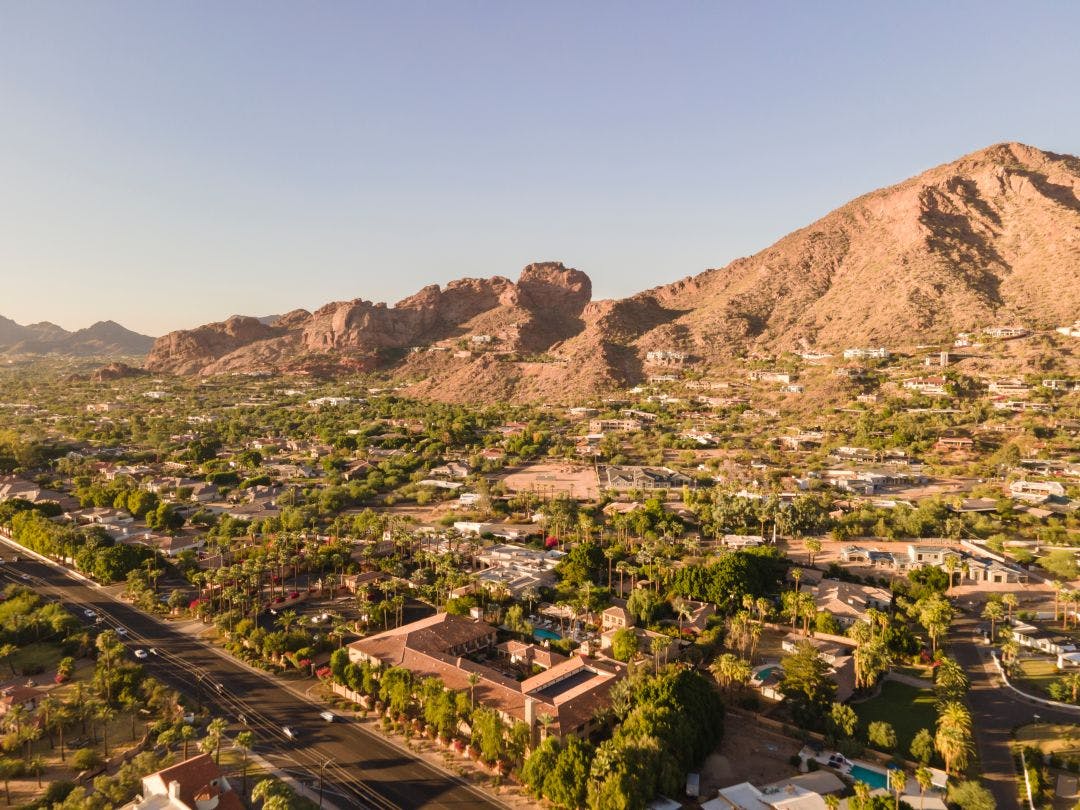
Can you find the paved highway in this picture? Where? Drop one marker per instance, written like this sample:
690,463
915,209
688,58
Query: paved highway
360,769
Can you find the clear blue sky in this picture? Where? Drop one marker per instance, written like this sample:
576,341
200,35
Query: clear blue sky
165,164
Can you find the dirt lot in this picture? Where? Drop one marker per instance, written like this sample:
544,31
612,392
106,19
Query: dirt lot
753,755
548,479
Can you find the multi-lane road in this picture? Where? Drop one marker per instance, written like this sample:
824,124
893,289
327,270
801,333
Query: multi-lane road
358,768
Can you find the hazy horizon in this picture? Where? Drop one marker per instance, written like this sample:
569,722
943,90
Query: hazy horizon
164,166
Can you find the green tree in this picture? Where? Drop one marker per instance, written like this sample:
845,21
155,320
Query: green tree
624,644
881,735
971,795
807,686
922,746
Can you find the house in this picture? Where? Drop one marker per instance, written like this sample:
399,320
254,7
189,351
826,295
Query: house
1009,388
194,784
25,696
849,602
448,647
743,540
600,426
615,618
1033,637
880,353
933,386
627,477
451,470
665,357
951,444
1006,332
1036,491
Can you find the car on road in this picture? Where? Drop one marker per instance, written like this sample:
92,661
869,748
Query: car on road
328,716
90,614
121,631
24,576
140,654
289,732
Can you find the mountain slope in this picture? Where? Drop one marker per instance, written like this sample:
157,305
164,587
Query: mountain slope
991,237
104,338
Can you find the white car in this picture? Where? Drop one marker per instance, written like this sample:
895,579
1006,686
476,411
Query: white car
289,732
121,631
90,614
140,653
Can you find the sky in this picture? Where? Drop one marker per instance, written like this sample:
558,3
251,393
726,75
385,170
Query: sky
166,164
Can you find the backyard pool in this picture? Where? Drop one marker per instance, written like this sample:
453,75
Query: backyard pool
873,777
543,633
765,673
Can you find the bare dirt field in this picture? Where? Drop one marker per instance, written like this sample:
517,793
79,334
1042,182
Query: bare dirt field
554,479
759,757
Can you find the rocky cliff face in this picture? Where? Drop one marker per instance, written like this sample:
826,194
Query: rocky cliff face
543,307
991,237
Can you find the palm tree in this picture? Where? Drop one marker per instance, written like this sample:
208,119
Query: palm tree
105,714
953,738
187,734
995,612
796,575
1011,603
474,679
245,741
925,777
215,730
897,781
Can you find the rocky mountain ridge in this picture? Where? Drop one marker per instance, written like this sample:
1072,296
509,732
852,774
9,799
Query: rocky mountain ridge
103,339
991,237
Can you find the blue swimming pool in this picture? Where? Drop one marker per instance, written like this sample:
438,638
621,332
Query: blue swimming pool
875,779
543,633
765,673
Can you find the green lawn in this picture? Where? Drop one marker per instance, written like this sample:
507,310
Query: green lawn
41,654
1035,675
907,708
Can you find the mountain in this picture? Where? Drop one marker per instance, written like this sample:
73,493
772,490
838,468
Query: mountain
993,237
103,339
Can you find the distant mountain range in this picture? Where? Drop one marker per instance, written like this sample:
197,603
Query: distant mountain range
103,339
992,237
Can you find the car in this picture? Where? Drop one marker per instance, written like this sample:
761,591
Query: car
153,651
24,576
328,716
140,653
289,732
121,631
90,614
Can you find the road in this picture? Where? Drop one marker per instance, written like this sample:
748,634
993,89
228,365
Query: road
360,769
996,711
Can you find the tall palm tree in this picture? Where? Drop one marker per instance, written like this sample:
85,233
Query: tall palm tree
897,782
925,777
953,738
995,612
1011,603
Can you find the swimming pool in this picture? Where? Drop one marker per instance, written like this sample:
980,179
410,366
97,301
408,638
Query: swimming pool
544,633
765,673
874,778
